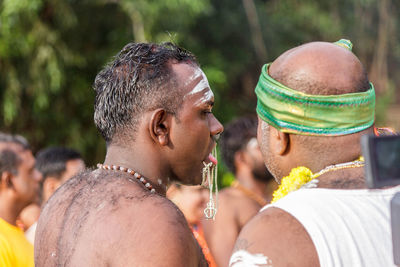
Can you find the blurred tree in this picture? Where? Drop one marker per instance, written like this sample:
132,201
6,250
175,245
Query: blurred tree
51,50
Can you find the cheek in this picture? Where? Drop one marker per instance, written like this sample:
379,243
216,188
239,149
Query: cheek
23,186
263,139
263,144
199,137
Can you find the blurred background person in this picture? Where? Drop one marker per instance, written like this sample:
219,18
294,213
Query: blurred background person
19,186
251,190
28,216
57,164
191,200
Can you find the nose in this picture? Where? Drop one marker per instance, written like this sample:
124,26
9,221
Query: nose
216,128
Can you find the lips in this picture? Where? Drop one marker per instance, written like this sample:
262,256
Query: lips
212,159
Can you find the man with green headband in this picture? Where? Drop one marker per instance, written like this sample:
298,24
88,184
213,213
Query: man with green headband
314,104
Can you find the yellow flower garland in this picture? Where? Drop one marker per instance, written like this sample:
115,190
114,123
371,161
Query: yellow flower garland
301,175
296,179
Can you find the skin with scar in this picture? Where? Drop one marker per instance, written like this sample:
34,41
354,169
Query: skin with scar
154,109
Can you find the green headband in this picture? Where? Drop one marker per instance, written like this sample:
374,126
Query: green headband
295,112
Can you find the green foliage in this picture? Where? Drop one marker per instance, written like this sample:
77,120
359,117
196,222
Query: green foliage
382,104
51,51
227,179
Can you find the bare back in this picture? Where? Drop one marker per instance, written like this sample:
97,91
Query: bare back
235,210
105,218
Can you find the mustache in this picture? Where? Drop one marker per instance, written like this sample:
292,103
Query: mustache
216,137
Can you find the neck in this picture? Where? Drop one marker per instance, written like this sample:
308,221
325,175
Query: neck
316,167
9,211
149,164
316,153
351,178
260,188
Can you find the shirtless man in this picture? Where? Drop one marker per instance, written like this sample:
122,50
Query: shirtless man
19,187
251,190
57,165
314,103
154,109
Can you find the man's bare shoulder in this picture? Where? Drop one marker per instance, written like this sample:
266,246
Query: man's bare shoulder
237,205
127,223
230,194
162,230
279,237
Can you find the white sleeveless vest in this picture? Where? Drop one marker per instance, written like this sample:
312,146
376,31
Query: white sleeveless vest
348,227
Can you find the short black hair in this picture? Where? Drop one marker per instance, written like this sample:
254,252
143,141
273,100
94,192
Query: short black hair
9,159
52,161
139,79
235,137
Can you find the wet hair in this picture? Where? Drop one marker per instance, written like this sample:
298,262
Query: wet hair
9,159
52,161
235,137
138,80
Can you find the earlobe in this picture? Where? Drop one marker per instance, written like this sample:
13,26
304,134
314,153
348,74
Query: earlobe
159,126
6,180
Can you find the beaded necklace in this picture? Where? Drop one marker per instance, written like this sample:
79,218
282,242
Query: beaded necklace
137,175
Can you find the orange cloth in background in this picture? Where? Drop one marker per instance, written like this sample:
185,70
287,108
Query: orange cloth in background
199,235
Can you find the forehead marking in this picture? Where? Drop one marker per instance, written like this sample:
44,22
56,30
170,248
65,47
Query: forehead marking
207,97
196,74
201,85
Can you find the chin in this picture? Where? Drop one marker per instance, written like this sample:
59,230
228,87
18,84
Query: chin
196,180
191,180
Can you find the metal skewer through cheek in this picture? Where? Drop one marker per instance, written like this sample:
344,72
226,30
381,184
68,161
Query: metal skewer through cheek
210,173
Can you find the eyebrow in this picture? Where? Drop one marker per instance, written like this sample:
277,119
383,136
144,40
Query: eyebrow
210,103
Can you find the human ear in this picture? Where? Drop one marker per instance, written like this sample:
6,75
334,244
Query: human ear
239,157
6,178
159,126
281,141
50,185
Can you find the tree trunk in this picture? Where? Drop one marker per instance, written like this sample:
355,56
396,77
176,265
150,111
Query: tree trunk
378,71
137,26
255,29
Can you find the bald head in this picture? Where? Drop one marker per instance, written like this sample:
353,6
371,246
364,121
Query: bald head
317,68
320,68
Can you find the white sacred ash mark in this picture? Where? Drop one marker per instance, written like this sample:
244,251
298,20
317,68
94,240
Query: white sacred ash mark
196,74
202,85
243,258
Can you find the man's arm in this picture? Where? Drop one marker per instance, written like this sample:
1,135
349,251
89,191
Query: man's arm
274,238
